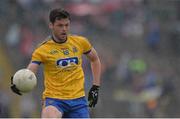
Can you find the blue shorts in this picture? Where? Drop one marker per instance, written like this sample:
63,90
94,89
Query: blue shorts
75,108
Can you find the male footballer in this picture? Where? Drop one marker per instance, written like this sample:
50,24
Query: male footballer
61,55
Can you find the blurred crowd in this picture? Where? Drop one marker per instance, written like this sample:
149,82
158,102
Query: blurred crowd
138,42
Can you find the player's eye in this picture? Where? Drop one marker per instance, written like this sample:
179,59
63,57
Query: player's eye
66,25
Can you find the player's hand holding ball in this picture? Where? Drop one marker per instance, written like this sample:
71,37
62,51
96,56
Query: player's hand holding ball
93,96
23,81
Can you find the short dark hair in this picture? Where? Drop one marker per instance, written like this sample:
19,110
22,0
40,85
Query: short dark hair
57,14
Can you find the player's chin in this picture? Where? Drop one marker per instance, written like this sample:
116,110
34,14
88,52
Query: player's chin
63,37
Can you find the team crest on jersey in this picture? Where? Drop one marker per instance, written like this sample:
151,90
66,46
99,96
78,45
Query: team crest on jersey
74,49
66,52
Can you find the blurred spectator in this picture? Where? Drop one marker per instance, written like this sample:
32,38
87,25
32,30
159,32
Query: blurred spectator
13,36
153,34
175,36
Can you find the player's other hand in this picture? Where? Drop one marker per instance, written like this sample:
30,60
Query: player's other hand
93,96
13,87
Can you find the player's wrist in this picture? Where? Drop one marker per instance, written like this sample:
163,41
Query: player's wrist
96,87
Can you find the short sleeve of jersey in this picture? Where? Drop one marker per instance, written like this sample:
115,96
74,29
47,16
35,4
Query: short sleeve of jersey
86,45
37,56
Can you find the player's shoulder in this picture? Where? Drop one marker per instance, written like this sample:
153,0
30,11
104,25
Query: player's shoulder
75,36
44,42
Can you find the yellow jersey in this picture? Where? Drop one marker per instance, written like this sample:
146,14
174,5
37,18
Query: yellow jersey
63,73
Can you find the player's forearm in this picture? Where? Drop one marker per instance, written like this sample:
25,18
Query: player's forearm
33,67
96,71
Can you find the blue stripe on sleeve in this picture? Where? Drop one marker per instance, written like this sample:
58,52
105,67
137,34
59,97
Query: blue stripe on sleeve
36,62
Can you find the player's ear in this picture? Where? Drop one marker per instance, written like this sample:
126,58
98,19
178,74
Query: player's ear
50,25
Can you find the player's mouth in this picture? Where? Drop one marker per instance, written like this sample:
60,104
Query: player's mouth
63,34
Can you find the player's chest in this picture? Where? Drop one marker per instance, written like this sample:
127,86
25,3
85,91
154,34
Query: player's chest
55,53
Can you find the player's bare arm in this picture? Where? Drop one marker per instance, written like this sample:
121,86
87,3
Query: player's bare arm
95,66
33,67
96,70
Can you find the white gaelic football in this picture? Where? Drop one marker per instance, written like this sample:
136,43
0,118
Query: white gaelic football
25,80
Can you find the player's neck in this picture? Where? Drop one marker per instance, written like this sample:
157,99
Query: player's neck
55,39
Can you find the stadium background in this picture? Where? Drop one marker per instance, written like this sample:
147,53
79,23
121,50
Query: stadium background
138,42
